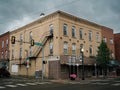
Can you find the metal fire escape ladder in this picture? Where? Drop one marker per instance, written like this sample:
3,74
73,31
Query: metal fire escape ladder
43,40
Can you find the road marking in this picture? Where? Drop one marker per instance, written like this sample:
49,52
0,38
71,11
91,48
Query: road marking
21,84
1,87
98,83
116,84
43,82
31,83
11,85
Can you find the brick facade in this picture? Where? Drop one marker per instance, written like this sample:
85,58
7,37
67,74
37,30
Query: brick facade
4,49
109,35
117,46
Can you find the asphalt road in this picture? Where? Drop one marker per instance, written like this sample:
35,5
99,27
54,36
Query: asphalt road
27,84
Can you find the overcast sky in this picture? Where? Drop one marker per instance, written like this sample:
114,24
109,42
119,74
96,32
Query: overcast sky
16,13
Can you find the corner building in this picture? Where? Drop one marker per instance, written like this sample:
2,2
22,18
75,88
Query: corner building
62,36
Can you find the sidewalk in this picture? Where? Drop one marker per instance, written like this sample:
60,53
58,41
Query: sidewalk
87,80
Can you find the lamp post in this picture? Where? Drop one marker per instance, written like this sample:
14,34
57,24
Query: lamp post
82,53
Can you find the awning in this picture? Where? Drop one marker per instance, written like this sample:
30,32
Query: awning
114,63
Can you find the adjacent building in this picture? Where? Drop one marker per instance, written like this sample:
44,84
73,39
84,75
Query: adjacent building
108,37
4,50
117,46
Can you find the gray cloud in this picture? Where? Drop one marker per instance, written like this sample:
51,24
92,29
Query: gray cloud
16,13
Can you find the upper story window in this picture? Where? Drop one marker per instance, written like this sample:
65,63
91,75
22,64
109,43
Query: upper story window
6,43
111,41
51,48
73,48
2,44
105,39
30,51
97,37
81,33
51,29
81,47
65,47
90,36
2,55
73,32
21,38
31,36
91,50
20,53
65,30
12,53
6,54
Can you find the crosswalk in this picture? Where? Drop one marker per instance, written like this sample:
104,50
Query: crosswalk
23,85
100,83
115,83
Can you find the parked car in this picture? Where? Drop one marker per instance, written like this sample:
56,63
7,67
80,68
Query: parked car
4,72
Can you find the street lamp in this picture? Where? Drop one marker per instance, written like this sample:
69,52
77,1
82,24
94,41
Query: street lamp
82,54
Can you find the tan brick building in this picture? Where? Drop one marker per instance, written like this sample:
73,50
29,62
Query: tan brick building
61,51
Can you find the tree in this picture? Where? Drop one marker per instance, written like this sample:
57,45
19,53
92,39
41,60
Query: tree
103,57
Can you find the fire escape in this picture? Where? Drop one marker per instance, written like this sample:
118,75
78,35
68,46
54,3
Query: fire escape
44,38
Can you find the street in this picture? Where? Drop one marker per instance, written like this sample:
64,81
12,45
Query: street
34,84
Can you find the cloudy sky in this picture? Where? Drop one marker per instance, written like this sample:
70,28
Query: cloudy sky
16,13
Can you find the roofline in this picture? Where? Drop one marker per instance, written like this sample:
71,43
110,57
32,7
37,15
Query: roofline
65,14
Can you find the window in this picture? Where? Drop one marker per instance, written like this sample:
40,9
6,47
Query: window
111,41
12,53
90,36
51,48
105,39
21,38
2,44
81,47
65,32
51,29
6,54
73,32
6,43
81,33
91,50
65,47
31,36
2,55
73,48
20,53
97,37
30,51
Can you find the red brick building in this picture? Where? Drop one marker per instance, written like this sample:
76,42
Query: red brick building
117,46
108,37
4,50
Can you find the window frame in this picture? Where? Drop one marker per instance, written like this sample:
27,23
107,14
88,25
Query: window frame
73,32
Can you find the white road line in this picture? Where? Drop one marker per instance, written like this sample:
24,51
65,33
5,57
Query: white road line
99,83
31,83
21,84
117,81
11,85
1,87
116,84
43,82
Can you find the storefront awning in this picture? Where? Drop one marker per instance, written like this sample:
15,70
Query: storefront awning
113,63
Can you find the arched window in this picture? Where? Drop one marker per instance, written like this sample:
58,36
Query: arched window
65,47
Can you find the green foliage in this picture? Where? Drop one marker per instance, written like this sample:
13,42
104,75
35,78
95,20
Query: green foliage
103,55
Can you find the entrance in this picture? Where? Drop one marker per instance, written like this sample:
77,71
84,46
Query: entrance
72,71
